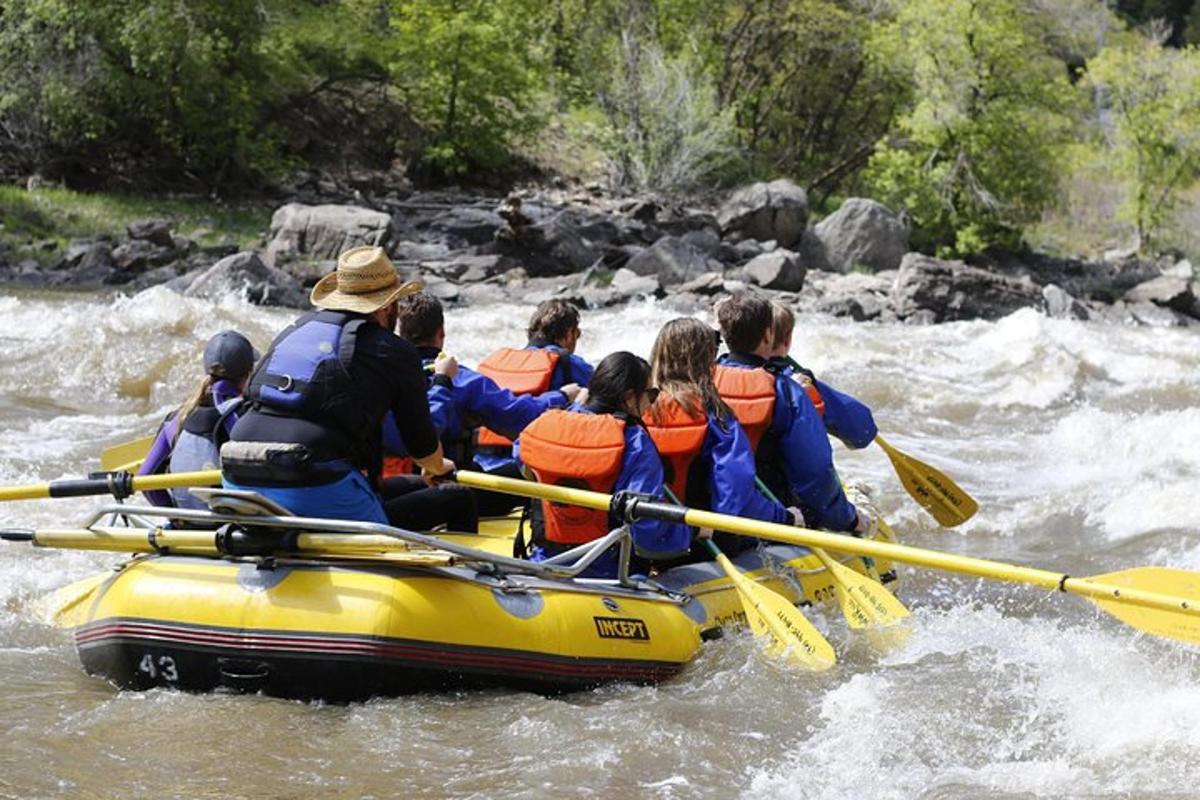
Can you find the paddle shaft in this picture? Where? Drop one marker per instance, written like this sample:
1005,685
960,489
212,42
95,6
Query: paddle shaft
933,559
120,484
199,542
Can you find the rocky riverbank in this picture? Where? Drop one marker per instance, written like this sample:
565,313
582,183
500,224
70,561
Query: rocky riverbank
599,251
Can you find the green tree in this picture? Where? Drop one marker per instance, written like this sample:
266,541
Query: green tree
1154,97
976,155
469,71
808,102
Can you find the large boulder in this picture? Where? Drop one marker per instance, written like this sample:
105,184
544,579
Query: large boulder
466,226
551,247
1168,291
942,291
779,269
246,273
863,233
673,261
764,211
323,232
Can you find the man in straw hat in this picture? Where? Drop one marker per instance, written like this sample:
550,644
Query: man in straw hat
320,394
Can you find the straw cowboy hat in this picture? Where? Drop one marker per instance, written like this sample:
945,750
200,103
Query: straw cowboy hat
365,281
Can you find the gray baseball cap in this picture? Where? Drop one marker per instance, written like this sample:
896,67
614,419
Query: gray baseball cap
229,355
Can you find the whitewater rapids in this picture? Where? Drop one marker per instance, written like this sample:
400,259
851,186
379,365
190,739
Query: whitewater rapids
1080,442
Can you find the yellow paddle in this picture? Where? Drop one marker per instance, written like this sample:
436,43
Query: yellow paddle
864,602
126,455
1157,600
120,484
937,494
773,618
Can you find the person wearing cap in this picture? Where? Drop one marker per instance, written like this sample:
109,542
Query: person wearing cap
190,438
311,439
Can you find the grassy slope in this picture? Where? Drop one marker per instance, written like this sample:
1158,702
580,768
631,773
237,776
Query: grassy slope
30,218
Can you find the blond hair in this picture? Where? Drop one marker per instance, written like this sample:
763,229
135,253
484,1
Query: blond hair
783,322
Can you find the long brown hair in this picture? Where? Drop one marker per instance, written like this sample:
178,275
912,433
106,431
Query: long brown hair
682,361
194,400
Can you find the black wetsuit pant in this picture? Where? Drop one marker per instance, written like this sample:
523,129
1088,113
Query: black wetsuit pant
498,504
412,505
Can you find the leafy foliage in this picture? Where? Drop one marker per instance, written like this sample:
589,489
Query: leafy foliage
468,70
975,156
1154,97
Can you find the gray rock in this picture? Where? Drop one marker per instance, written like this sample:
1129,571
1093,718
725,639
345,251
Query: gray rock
1156,316
478,294
154,277
467,226
860,296
1181,269
138,254
323,232
863,233
155,231
1168,291
777,210
951,290
627,283
442,290
707,284
307,271
246,273
480,268
779,269
550,247
419,251
673,261
706,240
1061,305
184,281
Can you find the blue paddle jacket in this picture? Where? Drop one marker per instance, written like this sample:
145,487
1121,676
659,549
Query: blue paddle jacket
795,460
641,472
463,403
570,368
729,462
846,417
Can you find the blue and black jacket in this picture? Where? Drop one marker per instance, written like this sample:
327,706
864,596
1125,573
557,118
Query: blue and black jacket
794,457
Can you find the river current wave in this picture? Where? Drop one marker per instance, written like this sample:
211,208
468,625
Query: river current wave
1080,442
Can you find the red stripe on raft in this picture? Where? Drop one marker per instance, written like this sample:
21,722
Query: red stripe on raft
425,651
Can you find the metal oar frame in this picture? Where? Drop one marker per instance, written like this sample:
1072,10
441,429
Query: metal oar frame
242,535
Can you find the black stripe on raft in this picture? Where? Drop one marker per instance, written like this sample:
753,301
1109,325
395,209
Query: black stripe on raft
334,666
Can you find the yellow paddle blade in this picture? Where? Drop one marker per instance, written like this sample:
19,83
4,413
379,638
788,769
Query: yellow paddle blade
771,616
866,603
67,607
932,489
1165,580
123,455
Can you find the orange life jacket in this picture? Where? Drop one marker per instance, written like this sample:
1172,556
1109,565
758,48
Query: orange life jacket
810,388
397,465
585,451
678,436
750,394
521,372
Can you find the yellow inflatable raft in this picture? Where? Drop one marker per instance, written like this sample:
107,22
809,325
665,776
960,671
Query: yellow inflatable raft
252,599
